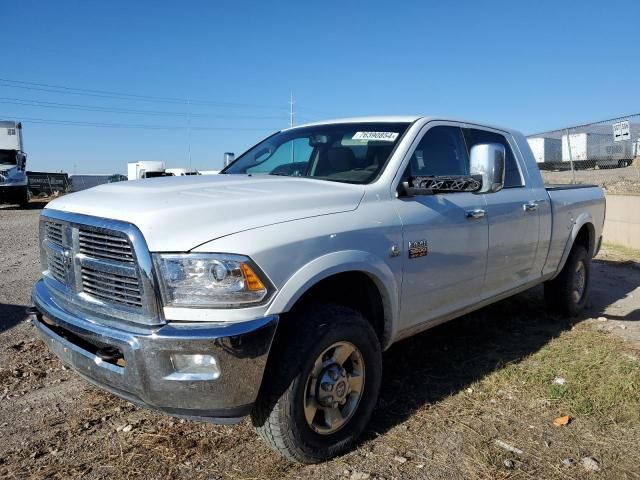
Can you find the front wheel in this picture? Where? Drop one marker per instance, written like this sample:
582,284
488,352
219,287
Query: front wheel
24,195
567,293
21,196
321,385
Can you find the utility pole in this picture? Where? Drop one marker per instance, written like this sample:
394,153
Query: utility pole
189,131
291,110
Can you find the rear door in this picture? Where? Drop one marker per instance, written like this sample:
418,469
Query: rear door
445,235
514,223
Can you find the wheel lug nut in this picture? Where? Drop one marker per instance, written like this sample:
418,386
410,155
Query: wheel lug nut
326,386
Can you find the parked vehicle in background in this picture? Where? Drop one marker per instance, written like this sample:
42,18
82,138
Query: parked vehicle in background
209,172
181,172
117,177
547,151
13,163
146,169
47,183
591,149
272,288
83,181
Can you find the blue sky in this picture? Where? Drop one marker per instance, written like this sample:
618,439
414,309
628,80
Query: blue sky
529,65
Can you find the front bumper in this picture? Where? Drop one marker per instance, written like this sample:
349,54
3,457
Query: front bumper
143,372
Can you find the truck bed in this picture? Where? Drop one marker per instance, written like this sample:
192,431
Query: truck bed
567,186
570,205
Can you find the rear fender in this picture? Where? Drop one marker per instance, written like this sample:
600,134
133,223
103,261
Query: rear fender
583,219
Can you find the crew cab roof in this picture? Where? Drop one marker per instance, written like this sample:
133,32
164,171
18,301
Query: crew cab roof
370,119
400,119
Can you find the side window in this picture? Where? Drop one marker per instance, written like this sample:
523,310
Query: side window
441,151
512,177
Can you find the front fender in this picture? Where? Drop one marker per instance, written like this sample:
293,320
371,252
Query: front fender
340,262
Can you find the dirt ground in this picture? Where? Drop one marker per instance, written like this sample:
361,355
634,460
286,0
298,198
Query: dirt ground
475,398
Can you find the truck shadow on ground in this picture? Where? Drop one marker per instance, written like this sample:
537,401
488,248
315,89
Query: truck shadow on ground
613,281
11,315
442,361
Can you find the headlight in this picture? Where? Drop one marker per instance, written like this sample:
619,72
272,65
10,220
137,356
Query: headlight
210,280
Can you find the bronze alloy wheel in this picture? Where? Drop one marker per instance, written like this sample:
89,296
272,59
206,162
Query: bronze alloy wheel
334,387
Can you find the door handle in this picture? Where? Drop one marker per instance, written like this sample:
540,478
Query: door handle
531,206
475,214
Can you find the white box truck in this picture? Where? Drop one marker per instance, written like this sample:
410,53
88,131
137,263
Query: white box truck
547,151
13,162
146,169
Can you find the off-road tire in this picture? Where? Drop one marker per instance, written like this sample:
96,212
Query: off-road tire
278,414
558,293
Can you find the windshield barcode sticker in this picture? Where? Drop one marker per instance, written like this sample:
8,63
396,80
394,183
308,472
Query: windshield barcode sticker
383,136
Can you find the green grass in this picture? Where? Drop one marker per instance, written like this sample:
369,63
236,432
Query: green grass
602,377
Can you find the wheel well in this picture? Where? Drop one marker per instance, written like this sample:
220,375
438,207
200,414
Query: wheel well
585,238
355,290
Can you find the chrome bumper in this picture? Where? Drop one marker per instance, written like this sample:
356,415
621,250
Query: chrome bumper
139,367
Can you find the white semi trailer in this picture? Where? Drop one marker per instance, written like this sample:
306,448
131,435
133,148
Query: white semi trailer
13,161
547,151
146,169
593,149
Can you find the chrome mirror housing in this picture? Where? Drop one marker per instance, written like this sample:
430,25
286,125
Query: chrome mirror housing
487,161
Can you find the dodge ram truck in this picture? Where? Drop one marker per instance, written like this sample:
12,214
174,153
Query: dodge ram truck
272,289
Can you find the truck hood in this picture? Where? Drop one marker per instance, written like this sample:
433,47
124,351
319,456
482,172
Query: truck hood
179,213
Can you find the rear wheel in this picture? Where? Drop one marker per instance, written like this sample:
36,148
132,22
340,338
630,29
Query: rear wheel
567,293
624,163
321,385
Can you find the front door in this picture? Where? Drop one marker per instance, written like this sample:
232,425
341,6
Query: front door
448,274
514,222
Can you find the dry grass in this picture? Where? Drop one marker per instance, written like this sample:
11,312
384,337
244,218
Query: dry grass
620,253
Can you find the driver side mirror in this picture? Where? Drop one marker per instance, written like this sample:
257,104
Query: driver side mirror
487,161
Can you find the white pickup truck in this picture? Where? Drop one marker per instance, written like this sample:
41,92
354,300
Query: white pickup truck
271,289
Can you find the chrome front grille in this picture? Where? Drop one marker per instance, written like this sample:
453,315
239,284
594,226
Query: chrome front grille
99,265
54,232
57,266
111,287
103,245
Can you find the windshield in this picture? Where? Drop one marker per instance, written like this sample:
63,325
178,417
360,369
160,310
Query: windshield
8,157
349,152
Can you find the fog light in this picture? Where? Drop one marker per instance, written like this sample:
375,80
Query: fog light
194,367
